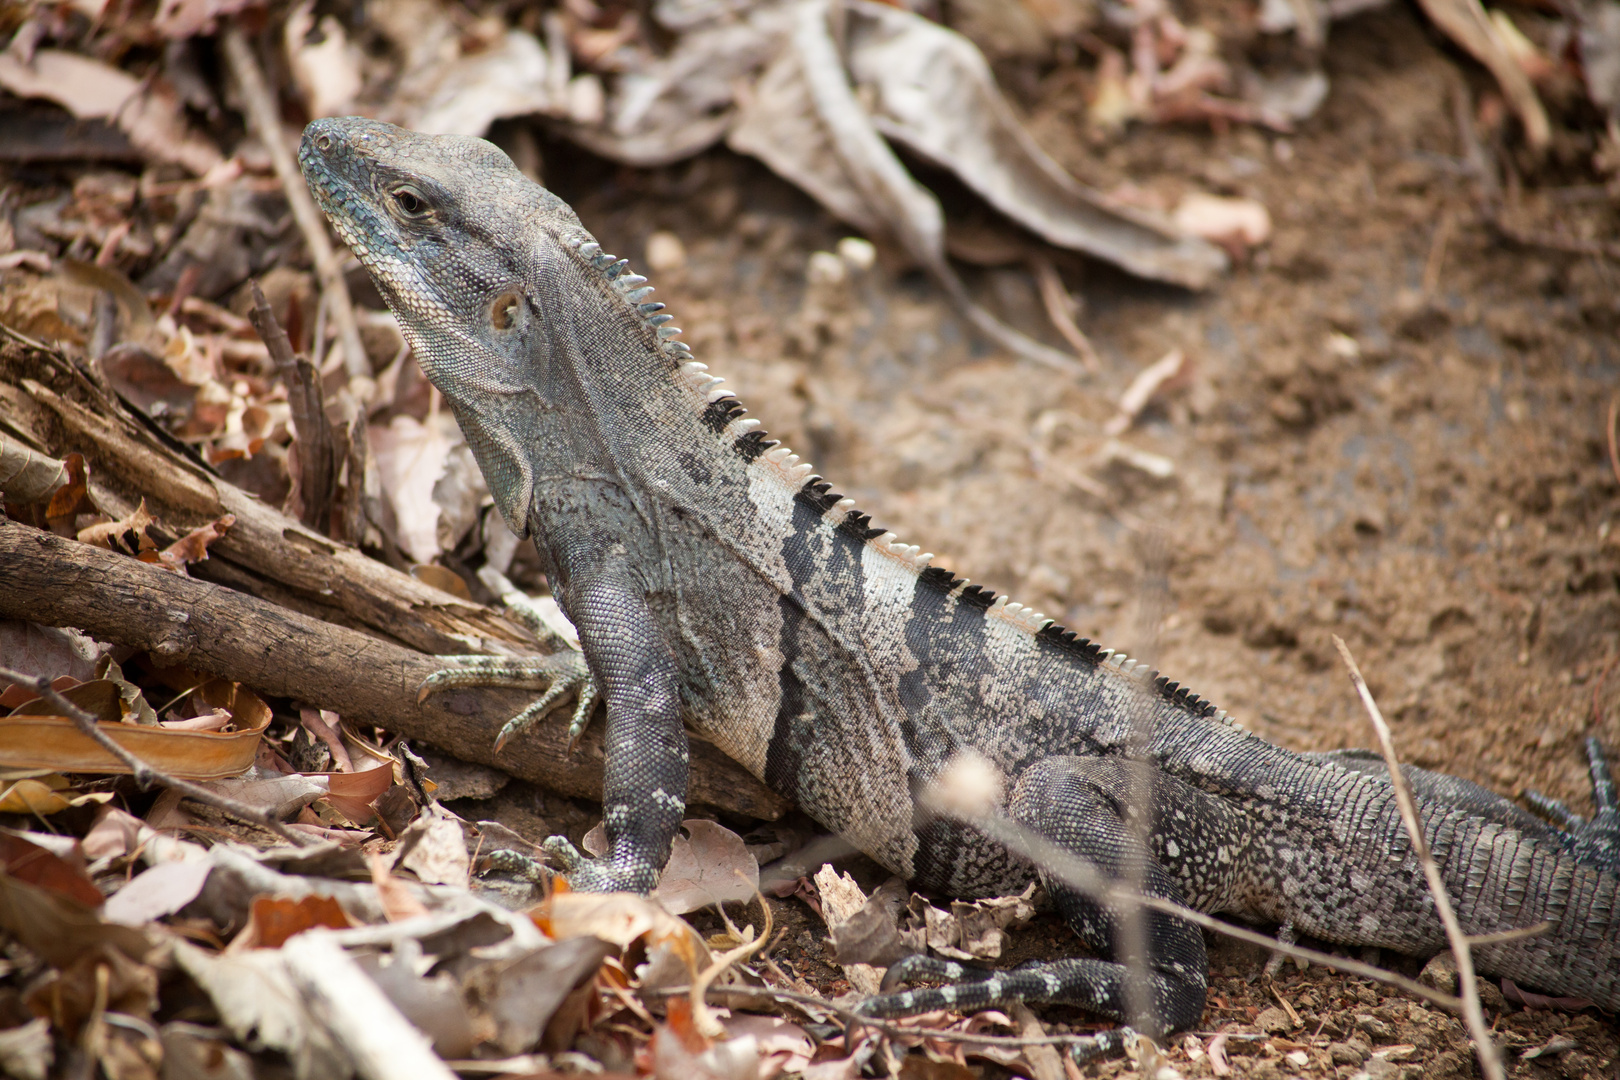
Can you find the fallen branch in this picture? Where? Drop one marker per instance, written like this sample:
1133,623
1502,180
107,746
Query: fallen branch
144,774
1474,1016
47,579
266,553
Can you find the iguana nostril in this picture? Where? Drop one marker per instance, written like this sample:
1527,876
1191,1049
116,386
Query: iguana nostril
323,142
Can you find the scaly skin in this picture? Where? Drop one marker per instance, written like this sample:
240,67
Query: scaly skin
717,584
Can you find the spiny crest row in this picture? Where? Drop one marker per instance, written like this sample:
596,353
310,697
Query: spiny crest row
724,415
631,286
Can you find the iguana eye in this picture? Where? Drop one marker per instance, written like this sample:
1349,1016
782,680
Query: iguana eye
505,311
410,202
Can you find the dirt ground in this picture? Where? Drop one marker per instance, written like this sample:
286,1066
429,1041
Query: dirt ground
1394,432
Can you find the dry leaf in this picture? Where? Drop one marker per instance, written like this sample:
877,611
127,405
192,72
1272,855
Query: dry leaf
275,919
1235,224
159,891
26,475
841,898
708,864
410,458
55,742
27,861
258,1004
87,88
437,849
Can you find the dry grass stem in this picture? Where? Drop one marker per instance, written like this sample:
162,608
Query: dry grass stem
264,117
1473,1015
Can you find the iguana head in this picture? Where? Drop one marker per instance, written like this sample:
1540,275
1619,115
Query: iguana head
458,242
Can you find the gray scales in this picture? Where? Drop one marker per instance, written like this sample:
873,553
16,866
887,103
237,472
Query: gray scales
718,584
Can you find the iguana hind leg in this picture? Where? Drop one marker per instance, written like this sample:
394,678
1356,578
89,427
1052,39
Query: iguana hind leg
1595,840
1080,804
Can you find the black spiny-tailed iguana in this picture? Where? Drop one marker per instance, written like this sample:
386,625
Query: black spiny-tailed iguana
717,583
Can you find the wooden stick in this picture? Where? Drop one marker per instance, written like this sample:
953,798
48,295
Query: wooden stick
47,579
1474,1016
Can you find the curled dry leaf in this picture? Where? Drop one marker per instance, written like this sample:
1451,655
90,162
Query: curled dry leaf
436,848
257,1002
44,796
1235,224
932,90
26,475
27,861
129,532
192,547
44,650
521,996
841,898
275,919
55,742
675,952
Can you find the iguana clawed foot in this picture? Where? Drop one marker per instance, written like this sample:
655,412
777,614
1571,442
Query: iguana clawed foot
562,859
560,675
1595,839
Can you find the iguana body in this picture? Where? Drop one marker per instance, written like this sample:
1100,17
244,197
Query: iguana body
716,584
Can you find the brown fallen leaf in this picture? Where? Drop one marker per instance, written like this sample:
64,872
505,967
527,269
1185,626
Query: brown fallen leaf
55,742
26,475
190,548
27,861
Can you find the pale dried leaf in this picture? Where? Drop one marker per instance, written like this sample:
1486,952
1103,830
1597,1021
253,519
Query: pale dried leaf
932,91
162,890
440,856
254,995
841,898
410,458
27,1051
520,996
709,864
47,650
87,88
1232,223
327,71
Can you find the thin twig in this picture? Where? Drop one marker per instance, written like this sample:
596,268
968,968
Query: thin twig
145,775
1498,937
1474,1016
265,119
317,474
1057,301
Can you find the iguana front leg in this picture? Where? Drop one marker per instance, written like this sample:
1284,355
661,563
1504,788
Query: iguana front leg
644,779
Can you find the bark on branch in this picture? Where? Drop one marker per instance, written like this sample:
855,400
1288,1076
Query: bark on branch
47,579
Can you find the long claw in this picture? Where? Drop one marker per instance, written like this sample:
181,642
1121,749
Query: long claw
582,714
